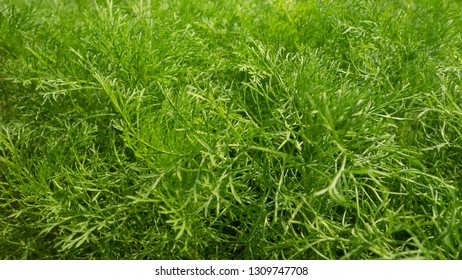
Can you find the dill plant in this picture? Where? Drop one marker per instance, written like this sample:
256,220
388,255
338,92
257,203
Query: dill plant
261,129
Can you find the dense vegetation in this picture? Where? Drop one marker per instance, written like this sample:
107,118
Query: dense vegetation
230,129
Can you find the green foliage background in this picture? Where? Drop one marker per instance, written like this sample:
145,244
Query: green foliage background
259,129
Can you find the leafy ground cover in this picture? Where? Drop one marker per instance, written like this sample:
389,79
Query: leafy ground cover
259,129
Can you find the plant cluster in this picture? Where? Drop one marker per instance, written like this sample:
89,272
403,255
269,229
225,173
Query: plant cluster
259,129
